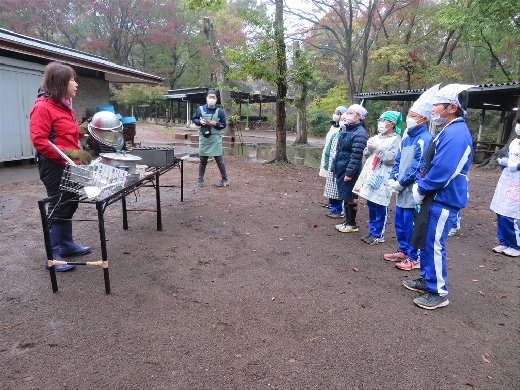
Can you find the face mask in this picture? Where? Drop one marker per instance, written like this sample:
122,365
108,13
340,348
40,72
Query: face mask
211,102
410,123
381,127
335,117
349,119
517,129
342,124
437,119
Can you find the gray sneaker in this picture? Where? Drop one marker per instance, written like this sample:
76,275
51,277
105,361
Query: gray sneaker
223,183
431,301
200,183
415,285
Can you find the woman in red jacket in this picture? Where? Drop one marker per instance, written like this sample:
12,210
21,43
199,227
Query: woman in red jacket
52,119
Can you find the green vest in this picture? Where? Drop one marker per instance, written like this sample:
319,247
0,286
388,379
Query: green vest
212,145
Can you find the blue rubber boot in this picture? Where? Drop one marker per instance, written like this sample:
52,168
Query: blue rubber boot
67,245
55,235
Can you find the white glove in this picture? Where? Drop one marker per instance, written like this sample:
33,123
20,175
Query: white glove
372,144
511,166
418,198
502,161
394,185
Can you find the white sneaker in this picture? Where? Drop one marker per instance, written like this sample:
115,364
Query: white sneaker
346,228
453,231
511,252
340,225
500,248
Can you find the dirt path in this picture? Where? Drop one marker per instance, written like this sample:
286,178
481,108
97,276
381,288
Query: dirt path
250,287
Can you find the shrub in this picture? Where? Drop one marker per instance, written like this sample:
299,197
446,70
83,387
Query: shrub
319,122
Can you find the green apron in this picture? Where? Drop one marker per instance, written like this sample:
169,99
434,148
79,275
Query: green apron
212,145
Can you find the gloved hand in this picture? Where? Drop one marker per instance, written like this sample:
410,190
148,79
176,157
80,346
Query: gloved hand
394,185
503,161
372,144
418,198
511,166
79,154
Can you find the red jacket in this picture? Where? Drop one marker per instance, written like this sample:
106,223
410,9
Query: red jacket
51,120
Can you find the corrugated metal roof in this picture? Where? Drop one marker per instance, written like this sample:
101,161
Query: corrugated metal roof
502,96
18,43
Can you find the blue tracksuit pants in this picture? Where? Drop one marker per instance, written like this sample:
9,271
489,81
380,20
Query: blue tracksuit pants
433,257
377,217
403,221
508,231
336,205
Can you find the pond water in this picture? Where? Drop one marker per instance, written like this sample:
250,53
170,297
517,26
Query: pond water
308,155
301,155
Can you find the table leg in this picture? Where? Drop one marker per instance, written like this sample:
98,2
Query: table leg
102,237
158,201
47,240
125,214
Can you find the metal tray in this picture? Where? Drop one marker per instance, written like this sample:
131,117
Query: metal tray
155,156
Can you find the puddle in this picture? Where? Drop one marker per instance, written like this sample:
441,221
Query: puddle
262,152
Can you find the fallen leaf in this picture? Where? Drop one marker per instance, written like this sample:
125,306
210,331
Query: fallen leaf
175,295
482,294
484,357
481,266
469,384
503,296
355,269
126,253
238,356
475,280
273,298
315,226
276,227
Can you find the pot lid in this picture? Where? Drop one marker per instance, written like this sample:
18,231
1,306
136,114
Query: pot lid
120,156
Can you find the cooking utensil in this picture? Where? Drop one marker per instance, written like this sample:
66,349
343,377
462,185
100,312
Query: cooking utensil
128,162
107,129
93,191
63,155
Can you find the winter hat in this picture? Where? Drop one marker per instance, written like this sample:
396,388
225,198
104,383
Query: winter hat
394,117
341,109
359,109
450,94
423,106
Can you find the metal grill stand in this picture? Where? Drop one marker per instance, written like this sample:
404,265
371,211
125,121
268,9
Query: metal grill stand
150,179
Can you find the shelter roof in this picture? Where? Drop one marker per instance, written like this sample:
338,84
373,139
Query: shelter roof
198,95
502,97
22,47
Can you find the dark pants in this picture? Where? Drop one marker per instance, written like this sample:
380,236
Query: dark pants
220,163
63,204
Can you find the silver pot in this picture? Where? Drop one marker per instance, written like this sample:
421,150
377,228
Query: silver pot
126,162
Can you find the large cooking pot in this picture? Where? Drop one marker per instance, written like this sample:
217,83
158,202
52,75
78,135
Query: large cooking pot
127,162
107,129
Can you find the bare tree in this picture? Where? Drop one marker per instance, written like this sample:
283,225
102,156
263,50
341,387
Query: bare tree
223,69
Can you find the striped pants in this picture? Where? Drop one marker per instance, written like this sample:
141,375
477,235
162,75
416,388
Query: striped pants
433,257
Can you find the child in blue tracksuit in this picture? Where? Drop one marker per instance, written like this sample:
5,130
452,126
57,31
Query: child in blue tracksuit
441,192
407,165
506,200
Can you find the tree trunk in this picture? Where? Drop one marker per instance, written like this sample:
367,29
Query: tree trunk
301,119
223,68
300,101
281,85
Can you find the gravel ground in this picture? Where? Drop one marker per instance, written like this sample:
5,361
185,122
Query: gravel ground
249,287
